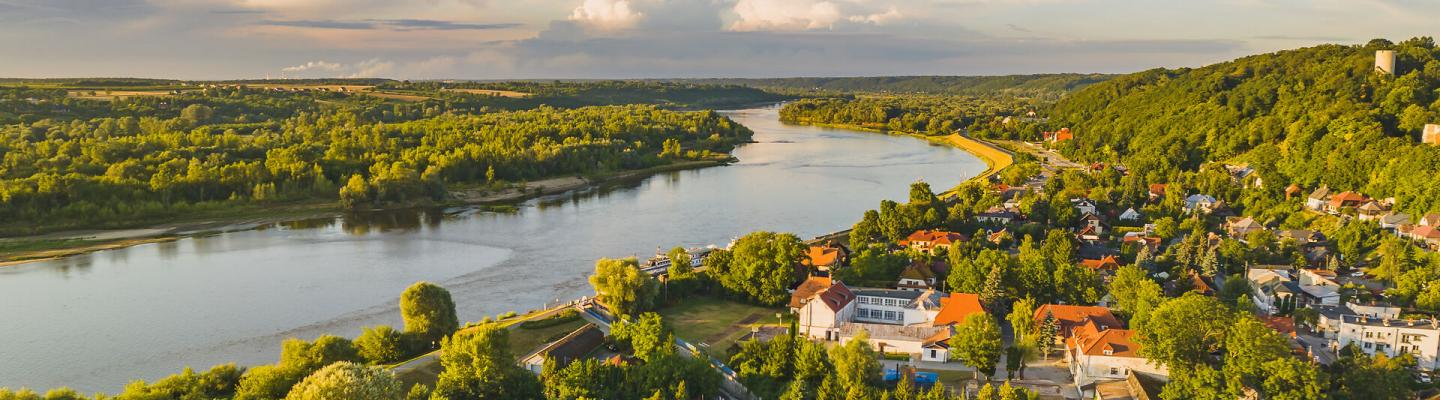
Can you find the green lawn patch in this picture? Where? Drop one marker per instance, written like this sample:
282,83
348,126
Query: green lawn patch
524,340
716,322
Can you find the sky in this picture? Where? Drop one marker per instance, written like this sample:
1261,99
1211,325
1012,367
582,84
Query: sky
523,39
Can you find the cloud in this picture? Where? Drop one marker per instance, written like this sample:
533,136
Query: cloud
891,15
313,65
392,24
757,15
606,14
372,68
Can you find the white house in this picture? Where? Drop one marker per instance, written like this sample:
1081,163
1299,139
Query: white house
1083,205
896,321
1131,215
1271,288
1329,322
1096,354
1392,337
1199,203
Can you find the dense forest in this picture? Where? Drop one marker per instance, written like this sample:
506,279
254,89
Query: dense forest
1311,116
1049,86
936,115
71,162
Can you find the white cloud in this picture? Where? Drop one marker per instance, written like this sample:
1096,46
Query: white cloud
606,14
313,66
891,15
756,15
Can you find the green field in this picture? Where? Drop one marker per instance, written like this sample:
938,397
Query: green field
716,322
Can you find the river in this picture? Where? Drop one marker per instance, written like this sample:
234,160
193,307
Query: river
94,322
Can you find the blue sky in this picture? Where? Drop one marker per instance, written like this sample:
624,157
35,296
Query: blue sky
495,39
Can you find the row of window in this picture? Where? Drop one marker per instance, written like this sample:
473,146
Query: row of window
878,314
881,301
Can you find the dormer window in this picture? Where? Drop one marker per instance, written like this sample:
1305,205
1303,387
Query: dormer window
1109,352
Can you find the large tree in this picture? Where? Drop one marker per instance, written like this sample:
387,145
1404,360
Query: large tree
348,381
1135,294
622,285
977,344
428,311
762,266
1183,332
478,365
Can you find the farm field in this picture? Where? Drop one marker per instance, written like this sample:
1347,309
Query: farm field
501,93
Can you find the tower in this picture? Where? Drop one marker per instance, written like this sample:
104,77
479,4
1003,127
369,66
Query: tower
1431,134
1385,62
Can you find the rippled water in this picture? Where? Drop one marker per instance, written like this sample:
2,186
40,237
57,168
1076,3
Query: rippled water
96,321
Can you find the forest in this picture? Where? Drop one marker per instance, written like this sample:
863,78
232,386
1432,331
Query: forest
927,114
1046,86
68,162
1310,116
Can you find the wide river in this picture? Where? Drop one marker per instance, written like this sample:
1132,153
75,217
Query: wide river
97,321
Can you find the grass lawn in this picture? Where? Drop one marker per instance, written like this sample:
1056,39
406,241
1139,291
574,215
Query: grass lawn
716,322
523,340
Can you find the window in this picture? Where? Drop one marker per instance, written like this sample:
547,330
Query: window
934,354
1369,335
890,315
1367,345
1114,371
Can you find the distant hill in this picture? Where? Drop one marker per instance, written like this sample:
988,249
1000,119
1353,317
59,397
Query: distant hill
1308,116
1049,85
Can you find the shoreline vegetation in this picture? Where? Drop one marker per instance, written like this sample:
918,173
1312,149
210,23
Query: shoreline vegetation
61,244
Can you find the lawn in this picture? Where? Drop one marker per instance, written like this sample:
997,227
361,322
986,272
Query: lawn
716,322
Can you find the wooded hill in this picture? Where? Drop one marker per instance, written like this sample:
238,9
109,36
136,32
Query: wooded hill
1310,116
1042,86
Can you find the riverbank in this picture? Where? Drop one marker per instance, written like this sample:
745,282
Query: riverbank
996,158
60,244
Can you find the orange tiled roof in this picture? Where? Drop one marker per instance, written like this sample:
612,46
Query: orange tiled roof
822,256
935,237
808,289
1284,325
957,306
1157,188
1339,200
1105,263
1071,316
1116,341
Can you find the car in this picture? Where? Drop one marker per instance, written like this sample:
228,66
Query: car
1357,274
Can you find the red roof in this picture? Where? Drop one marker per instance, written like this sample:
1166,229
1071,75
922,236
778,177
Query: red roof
1285,325
1070,316
820,256
1339,200
833,294
1157,189
1090,341
956,307
1426,232
934,238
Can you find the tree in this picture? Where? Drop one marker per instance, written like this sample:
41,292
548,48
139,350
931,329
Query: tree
1022,319
761,266
1049,327
680,261
1286,378
622,285
968,273
992,295
355,193
428,311
648,336
478,365
197,113
1135,294
856,365
1182,332
266,382
977,344
1249,344
348,381
380,344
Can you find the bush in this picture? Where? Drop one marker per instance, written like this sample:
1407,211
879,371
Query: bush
897,356
347,380
381,345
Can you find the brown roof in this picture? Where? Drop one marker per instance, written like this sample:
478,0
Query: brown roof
935,237
1070,316
808,289
957,306
1157,188
1284,325
1426,232
918,271
573,346
1339,200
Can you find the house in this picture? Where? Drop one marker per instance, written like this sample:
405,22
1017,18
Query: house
1427,234
1329,321
1061,135
902,321
1371,210
1131,215
1202,203
1088,235
1139,238
1094,222
1301,237
919,276
1291,191
1318,277
1345,200
1097,353
1272,289
1070,317
821,306
826,257
1239,227
1392,337
572,347
1105,267
1083,206
1393,220
1317,199
927,240
1431,219
995,217
1245,176
1157,190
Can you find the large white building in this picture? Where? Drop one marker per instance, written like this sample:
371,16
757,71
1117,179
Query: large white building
1097,353
896,321
1392,337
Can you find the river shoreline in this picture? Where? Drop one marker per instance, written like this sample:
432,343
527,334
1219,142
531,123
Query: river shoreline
996,158
56,245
